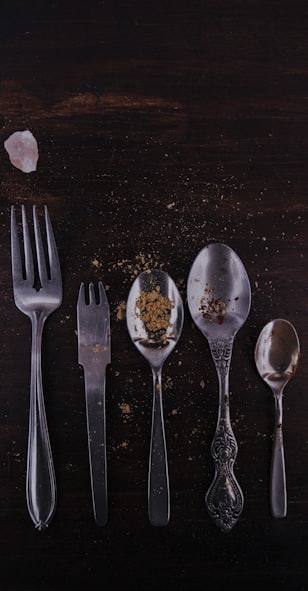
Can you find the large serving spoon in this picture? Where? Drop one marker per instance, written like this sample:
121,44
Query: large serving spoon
155,316
219,297
277,355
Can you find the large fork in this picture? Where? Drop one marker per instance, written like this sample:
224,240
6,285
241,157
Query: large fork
37,293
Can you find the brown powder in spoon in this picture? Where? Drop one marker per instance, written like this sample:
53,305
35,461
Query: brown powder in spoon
155,311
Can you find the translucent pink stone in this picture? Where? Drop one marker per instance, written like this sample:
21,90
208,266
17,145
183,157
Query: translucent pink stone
22,149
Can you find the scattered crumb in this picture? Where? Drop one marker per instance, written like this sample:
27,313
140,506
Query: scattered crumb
125,408
121,310
96,263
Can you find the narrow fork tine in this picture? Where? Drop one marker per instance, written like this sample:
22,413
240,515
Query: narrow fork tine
41,263
53,255
15,249
91,295
17,269
103,301
81,296
27,247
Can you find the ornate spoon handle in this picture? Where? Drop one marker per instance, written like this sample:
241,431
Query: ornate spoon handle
224,499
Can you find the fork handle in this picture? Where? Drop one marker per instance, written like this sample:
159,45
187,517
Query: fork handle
40,480
96,427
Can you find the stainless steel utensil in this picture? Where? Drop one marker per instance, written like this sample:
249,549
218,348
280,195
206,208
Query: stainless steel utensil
219,297
94,354
154,320
277,355
37,294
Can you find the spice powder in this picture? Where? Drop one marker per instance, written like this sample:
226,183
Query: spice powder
155,312
212,307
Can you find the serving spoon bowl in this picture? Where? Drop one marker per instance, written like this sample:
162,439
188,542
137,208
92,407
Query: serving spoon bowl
219,298
155,315
277,355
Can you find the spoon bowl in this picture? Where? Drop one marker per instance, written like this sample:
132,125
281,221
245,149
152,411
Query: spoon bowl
277,355
218,290
155,315
219,298
155,342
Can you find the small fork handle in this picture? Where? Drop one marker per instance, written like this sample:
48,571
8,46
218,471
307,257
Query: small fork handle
96,426
40,481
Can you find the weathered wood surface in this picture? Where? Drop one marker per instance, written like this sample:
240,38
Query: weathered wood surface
161,127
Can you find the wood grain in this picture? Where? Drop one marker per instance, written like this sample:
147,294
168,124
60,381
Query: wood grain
161,127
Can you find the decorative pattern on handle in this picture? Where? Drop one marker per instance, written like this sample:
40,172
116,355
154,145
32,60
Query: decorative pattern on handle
221,352
224,499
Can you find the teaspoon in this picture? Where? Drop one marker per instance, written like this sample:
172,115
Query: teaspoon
277,355
219,297
154,315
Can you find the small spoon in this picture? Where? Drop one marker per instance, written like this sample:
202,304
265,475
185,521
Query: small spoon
277,355
155,315
219,297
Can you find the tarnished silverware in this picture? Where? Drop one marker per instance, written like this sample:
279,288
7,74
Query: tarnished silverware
154,319
37,294
277,355
219,297
94,354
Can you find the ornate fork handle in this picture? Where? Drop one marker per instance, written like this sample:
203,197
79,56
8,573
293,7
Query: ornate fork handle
224,499
41,483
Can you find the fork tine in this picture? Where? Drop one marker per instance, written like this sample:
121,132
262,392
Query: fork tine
102,294
81,296
29,268
41,263
54,263
15,248
91,294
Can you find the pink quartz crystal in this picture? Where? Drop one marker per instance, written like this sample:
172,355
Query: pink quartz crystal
22,149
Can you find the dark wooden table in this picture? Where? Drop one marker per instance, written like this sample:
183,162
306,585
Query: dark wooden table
162,126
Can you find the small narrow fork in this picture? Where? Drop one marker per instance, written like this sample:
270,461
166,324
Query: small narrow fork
37,294
93,329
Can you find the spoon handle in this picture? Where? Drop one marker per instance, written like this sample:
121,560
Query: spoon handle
278,491
158,480
224,499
